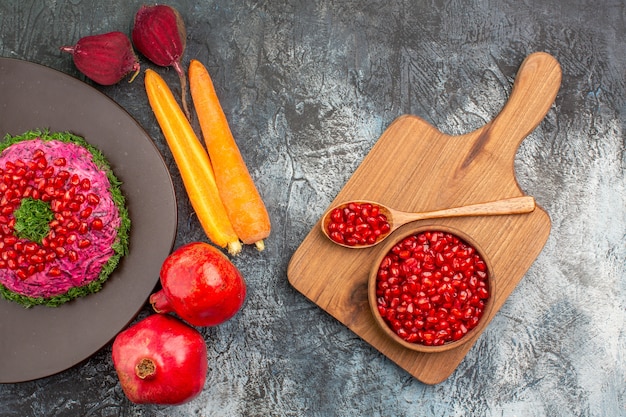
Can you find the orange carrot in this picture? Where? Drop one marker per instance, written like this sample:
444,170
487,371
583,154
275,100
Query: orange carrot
241,198
193,163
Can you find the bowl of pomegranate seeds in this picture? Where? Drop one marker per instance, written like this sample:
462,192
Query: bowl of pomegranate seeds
429,288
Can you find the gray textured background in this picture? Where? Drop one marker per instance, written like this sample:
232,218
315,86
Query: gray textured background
309,86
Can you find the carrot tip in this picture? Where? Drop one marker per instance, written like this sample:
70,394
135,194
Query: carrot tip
234,247
260,245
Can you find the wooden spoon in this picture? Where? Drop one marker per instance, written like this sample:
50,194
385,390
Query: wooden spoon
397,218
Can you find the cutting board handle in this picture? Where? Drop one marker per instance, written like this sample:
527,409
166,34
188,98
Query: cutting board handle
534,90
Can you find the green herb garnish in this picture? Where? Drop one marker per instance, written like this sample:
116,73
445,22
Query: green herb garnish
32,219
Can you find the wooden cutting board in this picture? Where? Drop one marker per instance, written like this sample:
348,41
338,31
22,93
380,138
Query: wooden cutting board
415,167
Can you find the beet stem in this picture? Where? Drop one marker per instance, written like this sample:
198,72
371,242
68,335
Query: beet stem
183,88
136,69
68,49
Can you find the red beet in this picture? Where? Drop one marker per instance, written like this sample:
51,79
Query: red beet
200,285
159,34
160,360
106,58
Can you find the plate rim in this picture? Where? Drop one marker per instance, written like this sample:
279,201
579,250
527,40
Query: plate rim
168,195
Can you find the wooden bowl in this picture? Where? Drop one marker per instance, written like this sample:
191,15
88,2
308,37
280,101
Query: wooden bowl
372,283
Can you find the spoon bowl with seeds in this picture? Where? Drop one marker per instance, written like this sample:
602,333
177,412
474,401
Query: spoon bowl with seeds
361,224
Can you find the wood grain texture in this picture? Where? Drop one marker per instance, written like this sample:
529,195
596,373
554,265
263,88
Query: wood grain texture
415,167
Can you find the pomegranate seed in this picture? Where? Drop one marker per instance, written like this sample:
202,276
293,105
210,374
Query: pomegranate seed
79,199
336,216
48,172
56,205
63,174
19,173
71,238
434,276
97,224
41,163
32,167
18,246
12,264
83,228
93,199
84,243
69,195
357,224
54,271
86,212
60,162
28,192
21,274
336,236
85,184
36,259
58,184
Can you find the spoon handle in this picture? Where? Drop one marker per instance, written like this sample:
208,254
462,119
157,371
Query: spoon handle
514,205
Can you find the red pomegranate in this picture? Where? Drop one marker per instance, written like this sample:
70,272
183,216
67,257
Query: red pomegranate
200,285
160,360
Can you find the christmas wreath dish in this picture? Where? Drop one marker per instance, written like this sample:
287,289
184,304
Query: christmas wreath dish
63,219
